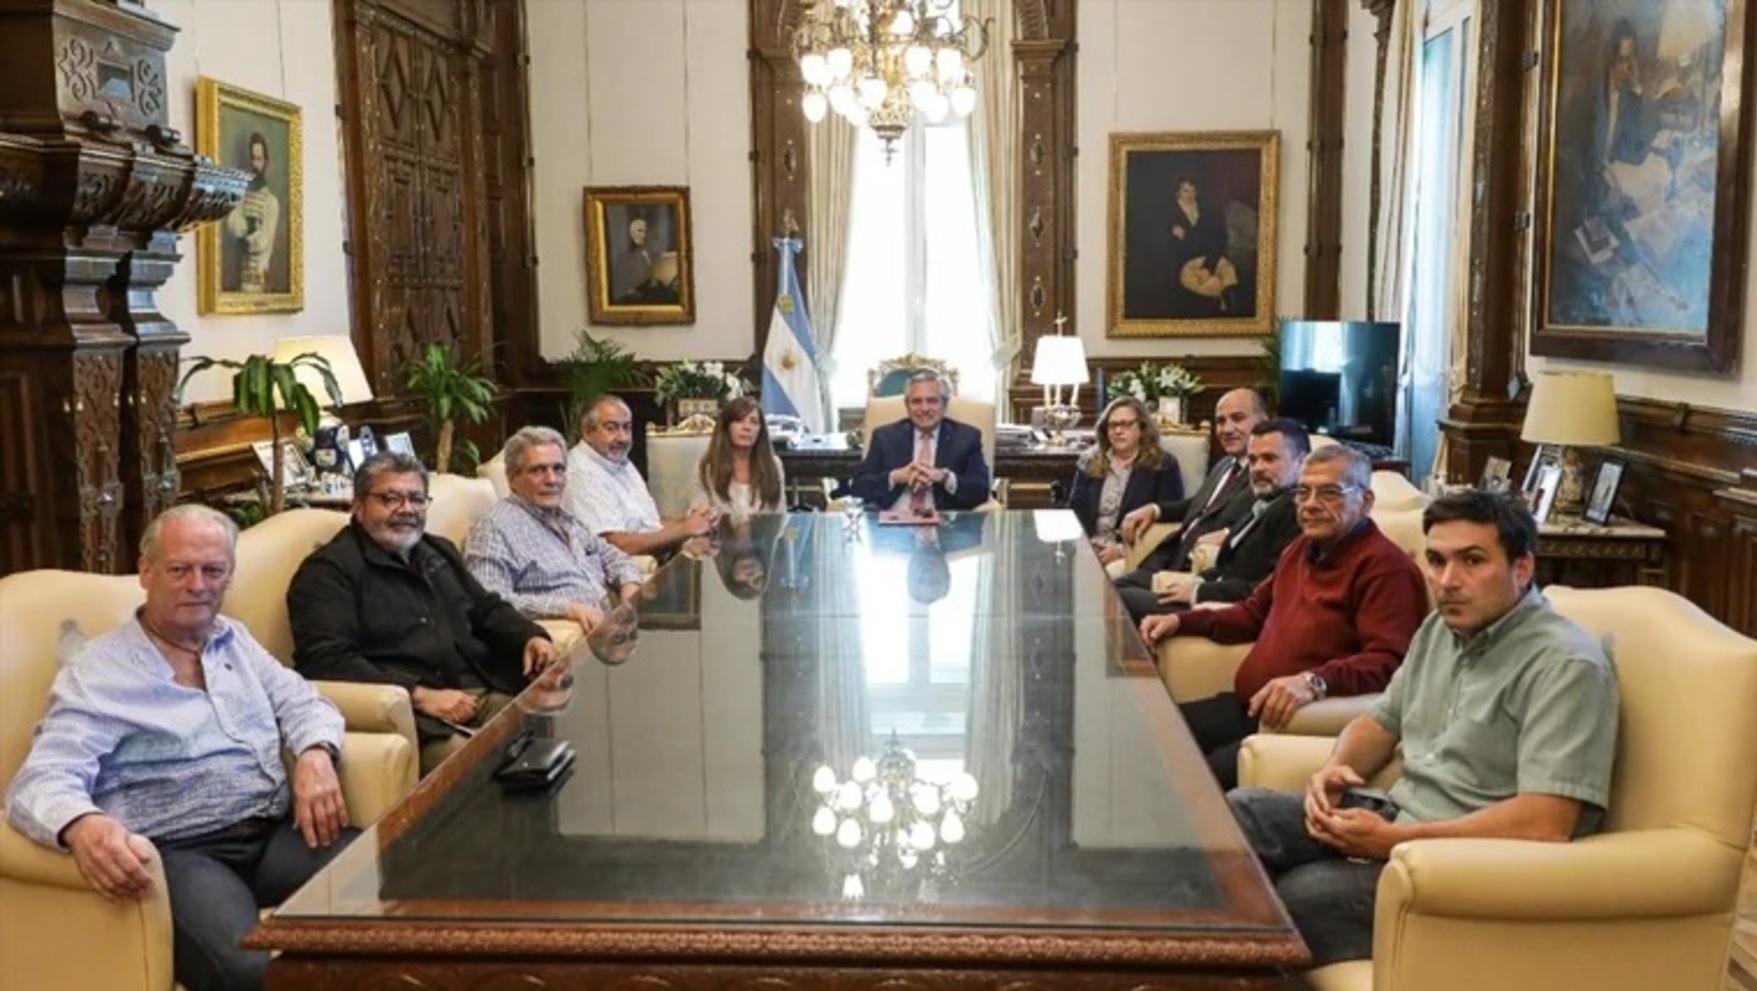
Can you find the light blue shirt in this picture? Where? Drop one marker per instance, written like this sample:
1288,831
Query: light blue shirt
121,737
608,496
543,560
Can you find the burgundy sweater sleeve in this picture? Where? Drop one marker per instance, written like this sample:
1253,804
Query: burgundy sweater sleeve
1238,623
1390,603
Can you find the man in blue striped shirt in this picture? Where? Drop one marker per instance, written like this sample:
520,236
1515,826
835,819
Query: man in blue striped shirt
170,729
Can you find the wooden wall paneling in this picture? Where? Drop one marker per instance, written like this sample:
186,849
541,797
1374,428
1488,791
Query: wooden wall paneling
1485,421
1740,503
1323,277
777,150
149,415
506,135
1381,11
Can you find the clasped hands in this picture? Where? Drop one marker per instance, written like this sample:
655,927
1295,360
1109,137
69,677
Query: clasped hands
1354,832
918,477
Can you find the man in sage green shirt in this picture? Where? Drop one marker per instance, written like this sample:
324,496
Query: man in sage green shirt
1506,712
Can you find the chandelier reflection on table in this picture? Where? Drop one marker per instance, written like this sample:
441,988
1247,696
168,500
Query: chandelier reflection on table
877,62
887,829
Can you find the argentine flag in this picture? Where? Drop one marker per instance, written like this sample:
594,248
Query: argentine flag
790,372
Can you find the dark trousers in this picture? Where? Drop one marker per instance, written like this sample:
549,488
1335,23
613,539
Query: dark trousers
1219,725
217,882
1136,591
1329,896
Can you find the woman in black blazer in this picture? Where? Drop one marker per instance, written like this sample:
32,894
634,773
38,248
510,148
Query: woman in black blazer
1126,469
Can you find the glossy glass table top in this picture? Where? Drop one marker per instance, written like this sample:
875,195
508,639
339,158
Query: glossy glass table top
830,722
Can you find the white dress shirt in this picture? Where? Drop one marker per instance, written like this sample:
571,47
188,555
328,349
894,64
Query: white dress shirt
608,496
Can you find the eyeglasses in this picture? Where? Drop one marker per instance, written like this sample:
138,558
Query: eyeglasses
397,500
1323,493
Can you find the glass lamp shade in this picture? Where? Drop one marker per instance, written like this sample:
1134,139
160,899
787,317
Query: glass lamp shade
344,364
1571,408
917,59
814,68
1060,360
815,105
963,101
841,62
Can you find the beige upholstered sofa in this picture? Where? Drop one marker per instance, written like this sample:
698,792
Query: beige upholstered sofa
1196,668
1646,904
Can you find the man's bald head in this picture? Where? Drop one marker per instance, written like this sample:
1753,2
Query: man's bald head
1237,413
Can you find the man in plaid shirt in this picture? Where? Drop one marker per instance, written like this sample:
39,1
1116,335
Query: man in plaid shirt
535,554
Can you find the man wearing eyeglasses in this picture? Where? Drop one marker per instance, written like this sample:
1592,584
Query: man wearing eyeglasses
385,601
1335,618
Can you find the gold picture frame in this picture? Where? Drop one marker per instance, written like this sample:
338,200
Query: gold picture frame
1178,269
643,275
253,259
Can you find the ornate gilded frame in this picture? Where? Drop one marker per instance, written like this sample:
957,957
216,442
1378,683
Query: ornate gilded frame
910,362
1268,146
600,251
210,96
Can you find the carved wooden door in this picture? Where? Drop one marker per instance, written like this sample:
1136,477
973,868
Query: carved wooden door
411,92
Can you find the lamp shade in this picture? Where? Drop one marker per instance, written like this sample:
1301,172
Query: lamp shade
1571,408
343,363
1060,361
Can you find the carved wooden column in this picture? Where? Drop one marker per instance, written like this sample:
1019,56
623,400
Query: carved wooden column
1044,58
777,149
93,183
1381,11
1329,41
1485,421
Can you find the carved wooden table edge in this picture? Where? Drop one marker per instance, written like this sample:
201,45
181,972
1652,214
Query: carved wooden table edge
872,946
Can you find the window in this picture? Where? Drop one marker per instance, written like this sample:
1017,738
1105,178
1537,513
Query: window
915,280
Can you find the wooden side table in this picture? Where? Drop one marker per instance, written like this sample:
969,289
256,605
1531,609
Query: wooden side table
1571,551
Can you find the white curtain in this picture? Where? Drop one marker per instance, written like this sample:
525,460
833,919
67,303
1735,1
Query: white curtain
997,692
994,154
1397,159
829,155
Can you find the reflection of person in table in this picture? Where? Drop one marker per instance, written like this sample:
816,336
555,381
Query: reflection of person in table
1203,273
252,225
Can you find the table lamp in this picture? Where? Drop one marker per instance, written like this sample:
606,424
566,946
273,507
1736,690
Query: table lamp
1060,361
1571,410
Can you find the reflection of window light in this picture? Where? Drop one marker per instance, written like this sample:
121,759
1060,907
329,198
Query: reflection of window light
1327,350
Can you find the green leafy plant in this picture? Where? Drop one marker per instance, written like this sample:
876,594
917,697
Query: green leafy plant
1269,366
449,391
262,386
689,380
1152,381
597,366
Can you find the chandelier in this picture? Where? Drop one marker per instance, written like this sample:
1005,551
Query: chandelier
887,829
877,62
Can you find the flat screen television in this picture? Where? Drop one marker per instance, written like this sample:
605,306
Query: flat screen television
1339,377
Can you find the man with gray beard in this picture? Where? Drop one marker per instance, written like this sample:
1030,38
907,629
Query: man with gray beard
385,601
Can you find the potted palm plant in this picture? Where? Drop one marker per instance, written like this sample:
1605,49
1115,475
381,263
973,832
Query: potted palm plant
597,366
448,391
262,386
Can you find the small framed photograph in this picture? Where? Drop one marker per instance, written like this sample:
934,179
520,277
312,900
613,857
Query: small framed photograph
368,444
356,454
1496,476
400,442
296,472
1604,492
1549,480
1545,455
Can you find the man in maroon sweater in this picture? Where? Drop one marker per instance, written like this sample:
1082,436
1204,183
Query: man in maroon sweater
1334,619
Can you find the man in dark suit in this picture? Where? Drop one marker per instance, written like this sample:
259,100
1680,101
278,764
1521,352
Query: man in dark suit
1223,498
1249,547
926,461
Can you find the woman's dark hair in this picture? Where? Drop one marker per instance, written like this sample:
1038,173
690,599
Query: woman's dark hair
715,468
1514,526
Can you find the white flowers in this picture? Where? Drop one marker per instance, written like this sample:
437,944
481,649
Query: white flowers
697,380
1150,382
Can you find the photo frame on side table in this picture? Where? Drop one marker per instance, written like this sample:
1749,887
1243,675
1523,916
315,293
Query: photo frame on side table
1543,499
1544,455
296,472
1496,476
1604,493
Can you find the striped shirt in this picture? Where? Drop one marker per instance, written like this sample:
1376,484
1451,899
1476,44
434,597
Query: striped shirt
608,496
167,761
543,560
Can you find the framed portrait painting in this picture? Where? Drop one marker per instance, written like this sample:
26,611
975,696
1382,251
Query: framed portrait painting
1642,175
253,259
1192,234
640,267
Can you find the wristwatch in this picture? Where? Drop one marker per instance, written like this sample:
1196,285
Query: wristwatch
1316,683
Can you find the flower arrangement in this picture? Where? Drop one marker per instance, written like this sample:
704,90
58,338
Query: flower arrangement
693,380
1152,382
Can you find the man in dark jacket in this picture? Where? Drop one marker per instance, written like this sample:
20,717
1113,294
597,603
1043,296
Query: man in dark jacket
386,602
926,461
1249,547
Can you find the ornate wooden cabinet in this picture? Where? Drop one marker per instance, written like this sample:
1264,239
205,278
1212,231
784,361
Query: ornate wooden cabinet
94,186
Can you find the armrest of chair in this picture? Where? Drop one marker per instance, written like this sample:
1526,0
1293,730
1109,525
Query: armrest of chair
1198,668
377,770
648,564
1281,763
1149,542
1327,717
1672,871
564,633
24,859
371,708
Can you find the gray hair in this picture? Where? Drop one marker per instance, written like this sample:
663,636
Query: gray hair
386,463
521,442
188,513
1258,406
929,375
590,420
1357,469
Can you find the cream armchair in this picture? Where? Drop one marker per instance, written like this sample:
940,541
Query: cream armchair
1197,668
881,410
55,930
1646,904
